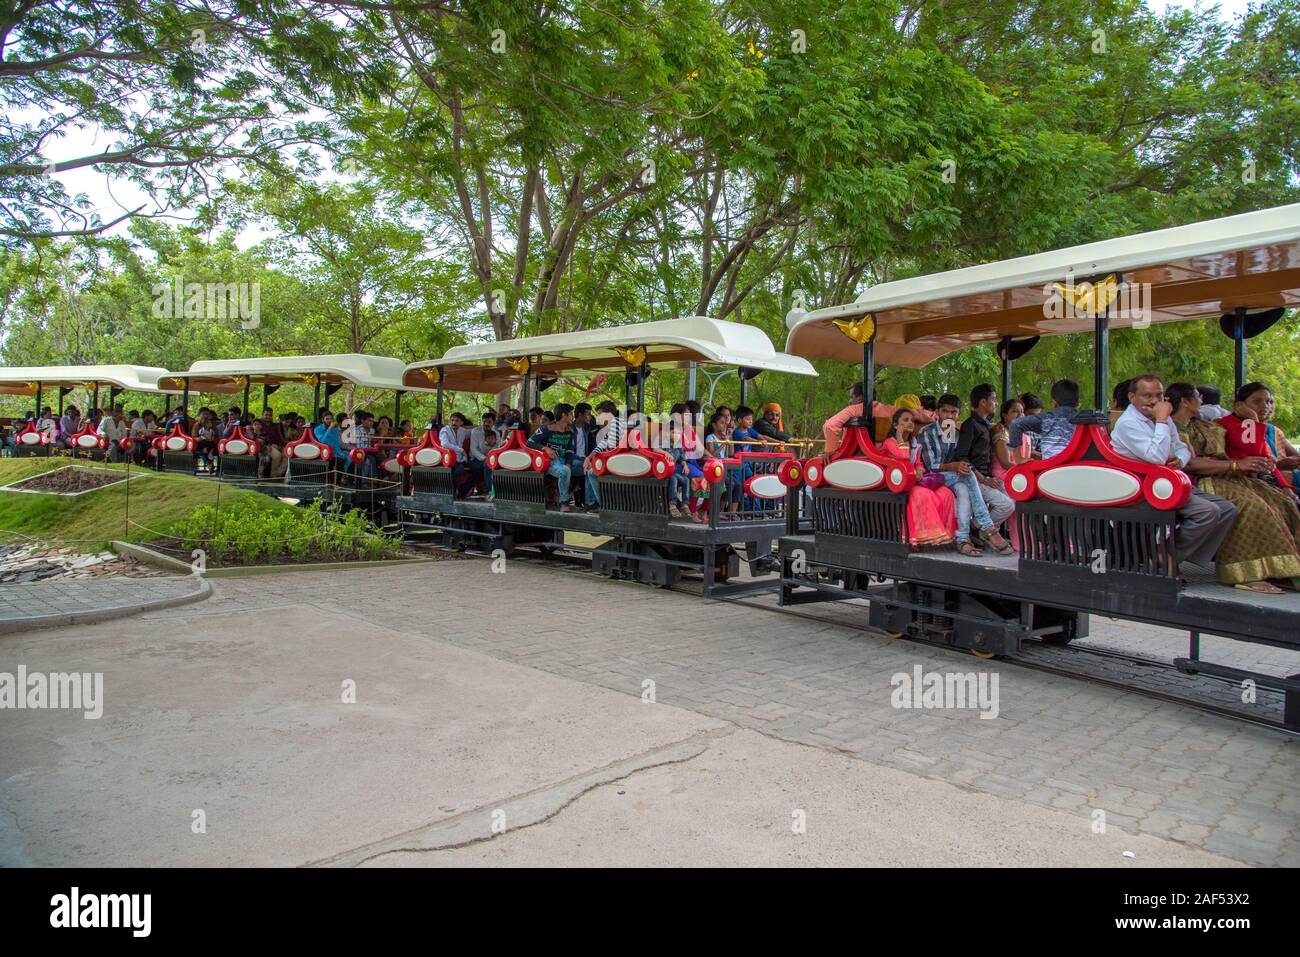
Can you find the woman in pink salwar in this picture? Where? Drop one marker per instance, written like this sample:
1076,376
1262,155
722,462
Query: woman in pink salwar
931,512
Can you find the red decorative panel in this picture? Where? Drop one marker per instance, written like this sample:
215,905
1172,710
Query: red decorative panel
1091,474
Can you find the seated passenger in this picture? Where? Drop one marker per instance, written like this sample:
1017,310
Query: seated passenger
771,428
327,433
482,439
48,425
610,434
1211,397
1146,433
1056,428
1264,541
975,445
1247,433
1288,457
556,439
931,511
455,436
114,428
1119,401
833,428
938,443
69,424
271,461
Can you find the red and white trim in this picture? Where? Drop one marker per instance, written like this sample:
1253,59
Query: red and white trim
308,449
857,466
177,440
633,460
239,443
31,436
426,453
517,456
87,439
1090,473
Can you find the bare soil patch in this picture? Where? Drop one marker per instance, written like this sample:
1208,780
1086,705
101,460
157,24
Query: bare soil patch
73,478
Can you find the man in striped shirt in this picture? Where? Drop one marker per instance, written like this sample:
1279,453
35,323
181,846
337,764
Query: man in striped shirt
611,434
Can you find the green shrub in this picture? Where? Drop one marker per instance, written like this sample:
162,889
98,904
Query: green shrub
243,534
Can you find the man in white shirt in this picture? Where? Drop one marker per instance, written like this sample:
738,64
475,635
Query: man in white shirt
114,428
1146,432
455,436
478,450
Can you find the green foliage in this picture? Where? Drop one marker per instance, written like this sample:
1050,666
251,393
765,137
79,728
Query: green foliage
240,535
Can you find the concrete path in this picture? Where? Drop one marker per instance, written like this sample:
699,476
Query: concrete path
544,717
61,601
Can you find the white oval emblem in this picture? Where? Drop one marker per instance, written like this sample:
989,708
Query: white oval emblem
854,474
31,438
628,465
766,486
428,457
1019,483
1088,485
236,447
175,444
306,452
392,465
1162,489
514,460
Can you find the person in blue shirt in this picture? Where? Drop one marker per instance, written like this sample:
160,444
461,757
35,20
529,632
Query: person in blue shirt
327,433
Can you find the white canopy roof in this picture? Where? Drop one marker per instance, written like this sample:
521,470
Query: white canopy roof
668,343
1203,269
227,375
22,380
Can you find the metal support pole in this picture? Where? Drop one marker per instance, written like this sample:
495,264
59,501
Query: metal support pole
185,399
1101,359
437,409
640,388
167,404
690,383
38,402
1006,367
740,371
248,385
627,390
397,408
868,380
315,402
94,399
1239,343
63,391
113,393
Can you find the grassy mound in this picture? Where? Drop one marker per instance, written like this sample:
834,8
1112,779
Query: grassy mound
137,511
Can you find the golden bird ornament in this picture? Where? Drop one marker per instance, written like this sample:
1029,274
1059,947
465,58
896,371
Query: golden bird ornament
634,356
1088,297
860,331
521,365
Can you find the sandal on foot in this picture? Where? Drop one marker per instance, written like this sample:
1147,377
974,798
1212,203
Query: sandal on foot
1259,588
997,542
969,550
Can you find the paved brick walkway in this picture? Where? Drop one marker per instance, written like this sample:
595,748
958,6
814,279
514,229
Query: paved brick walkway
1152,766
71,602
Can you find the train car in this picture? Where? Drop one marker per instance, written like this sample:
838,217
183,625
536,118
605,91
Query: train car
645,541
1096,530
311,471
39,381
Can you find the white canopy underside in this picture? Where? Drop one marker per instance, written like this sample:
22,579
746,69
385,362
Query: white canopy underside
669,343
1188,272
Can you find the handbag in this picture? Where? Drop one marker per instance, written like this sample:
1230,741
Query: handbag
931,480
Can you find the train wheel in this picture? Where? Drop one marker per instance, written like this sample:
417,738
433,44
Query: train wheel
893,634
986,655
